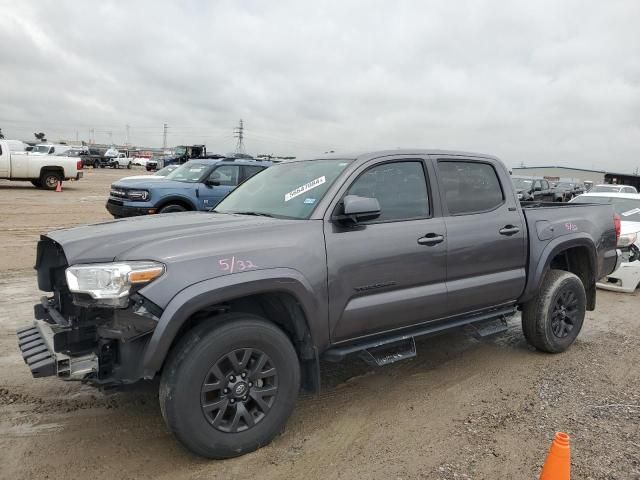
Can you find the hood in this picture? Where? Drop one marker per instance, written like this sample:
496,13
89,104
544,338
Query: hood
144,178
150,181
161,237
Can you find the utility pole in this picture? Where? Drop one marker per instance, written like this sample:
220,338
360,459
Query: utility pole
76,136
128,127
92,139
110,137
239,134
164,137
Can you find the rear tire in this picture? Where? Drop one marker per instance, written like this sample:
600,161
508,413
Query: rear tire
553,319
172,208
49,180
96,164
36,183
129,165
213,410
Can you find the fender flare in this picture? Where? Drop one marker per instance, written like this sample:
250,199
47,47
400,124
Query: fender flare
180,198
224,288
553,248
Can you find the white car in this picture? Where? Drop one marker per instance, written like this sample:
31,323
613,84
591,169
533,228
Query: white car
159,175
627,205
49,149
609,188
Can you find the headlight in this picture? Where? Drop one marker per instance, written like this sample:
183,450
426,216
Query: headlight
109,283
138,195
519,196
627,240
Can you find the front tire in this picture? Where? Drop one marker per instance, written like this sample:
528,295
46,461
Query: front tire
553,319
172,208
229,385
129,165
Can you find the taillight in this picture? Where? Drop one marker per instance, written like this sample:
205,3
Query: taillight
616,221
79,164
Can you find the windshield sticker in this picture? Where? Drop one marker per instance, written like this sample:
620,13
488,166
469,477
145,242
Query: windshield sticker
628,213
305,188
309,201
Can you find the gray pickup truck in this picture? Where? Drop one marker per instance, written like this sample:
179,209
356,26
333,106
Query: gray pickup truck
234,309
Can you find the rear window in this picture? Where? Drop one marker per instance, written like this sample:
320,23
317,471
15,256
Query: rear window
470,187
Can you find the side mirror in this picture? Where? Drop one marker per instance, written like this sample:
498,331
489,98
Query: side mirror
212,183
359,209
537,189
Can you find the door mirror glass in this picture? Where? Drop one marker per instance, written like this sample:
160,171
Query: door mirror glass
360,209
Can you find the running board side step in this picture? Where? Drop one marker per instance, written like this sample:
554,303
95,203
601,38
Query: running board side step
396,345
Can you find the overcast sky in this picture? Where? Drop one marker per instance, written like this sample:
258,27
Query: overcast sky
539,83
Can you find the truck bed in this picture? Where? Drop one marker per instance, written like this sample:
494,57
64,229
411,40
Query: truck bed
548,225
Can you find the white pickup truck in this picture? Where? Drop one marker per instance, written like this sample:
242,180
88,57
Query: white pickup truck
43,171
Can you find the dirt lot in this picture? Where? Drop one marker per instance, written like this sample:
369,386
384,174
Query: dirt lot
463,409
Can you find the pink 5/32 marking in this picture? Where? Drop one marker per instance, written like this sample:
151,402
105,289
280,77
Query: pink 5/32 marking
235,264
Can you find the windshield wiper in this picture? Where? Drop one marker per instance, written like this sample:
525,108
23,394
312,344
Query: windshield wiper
257,214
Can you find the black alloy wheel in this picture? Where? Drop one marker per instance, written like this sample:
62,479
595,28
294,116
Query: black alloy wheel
564,314
239,390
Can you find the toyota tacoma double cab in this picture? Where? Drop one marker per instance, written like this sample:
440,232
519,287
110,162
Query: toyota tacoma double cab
233,309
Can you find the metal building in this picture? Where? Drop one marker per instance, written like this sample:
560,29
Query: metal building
562,173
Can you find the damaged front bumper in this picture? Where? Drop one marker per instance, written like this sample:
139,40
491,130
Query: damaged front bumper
107,350
36,344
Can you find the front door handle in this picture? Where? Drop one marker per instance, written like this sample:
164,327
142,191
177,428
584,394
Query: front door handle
431,239
509,230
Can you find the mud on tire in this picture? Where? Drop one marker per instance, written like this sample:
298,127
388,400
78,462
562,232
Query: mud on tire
229,385
553,319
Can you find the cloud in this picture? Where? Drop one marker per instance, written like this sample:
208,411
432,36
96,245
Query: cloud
535,82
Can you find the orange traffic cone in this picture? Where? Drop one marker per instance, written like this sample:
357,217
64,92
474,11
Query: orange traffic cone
59,187
557,466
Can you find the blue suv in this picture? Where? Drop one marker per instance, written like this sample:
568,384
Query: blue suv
197,185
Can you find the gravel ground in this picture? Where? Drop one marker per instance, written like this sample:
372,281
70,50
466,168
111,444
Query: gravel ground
462,409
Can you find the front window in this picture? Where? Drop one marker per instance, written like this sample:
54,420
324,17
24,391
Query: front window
568,186
627,208
180,151
522,183
288,190
190,172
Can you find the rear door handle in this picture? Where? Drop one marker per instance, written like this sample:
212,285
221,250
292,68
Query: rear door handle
431,239
509,230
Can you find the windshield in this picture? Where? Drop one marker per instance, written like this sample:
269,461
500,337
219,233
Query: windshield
190,172
522,183
70,153
163,172
627,208
41,149
288,190
605,188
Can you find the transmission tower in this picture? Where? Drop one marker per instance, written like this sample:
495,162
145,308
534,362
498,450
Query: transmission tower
239,134
164,137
